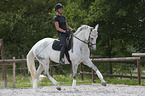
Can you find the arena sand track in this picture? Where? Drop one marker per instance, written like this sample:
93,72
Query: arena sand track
82,90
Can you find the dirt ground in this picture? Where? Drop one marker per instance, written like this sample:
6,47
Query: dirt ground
81,90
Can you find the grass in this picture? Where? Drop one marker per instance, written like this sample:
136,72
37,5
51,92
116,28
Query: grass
124,81
25,81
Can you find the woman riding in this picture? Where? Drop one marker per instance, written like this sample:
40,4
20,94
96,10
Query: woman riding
61,27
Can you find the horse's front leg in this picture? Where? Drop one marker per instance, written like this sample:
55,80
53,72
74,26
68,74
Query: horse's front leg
89,63
74,67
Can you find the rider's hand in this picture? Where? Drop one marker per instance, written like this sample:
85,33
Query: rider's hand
67,32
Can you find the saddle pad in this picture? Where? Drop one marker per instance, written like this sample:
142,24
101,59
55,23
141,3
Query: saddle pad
56,45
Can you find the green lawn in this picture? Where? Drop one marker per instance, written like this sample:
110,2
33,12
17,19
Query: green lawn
25,81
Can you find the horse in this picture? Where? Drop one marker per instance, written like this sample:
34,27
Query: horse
83,38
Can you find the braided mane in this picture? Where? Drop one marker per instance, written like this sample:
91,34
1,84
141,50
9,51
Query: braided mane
83,27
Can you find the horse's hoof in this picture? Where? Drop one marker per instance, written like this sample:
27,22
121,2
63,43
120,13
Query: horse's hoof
103,83
58,88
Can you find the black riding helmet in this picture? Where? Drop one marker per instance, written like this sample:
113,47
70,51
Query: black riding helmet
57,6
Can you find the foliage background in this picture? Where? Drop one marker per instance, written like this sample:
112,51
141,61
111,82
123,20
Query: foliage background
121,24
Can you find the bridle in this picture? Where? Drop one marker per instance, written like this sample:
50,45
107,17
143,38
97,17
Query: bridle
88,41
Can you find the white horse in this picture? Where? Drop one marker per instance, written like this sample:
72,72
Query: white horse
84,37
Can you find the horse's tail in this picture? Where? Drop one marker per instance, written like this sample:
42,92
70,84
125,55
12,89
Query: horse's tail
31,64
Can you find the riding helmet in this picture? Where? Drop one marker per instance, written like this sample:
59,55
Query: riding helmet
57,6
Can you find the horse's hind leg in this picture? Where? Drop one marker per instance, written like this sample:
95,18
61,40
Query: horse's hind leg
46,69
54,81
91,65
39,70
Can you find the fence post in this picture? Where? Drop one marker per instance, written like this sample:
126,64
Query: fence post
2,57
24,67
2,48
4,75
93,76
139,71
14,66
81,72
4,71
110,68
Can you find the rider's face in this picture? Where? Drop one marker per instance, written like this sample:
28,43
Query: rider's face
60,10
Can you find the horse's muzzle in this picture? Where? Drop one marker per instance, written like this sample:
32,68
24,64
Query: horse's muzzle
93,48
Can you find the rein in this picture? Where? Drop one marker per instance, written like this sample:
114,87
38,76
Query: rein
89,43
81,40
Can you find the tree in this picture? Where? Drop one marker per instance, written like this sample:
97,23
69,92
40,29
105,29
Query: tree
23,23
121,23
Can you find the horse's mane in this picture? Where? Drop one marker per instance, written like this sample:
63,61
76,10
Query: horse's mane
83,27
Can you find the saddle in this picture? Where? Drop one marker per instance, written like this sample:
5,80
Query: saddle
57,45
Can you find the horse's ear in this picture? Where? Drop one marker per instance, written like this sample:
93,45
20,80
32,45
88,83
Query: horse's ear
95,31
96,28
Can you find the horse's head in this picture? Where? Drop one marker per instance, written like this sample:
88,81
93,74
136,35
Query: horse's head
93,34
90,35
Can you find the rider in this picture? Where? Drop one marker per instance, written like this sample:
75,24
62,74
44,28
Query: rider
61,27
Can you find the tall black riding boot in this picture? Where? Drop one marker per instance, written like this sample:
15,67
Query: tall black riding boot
68,57
61,61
